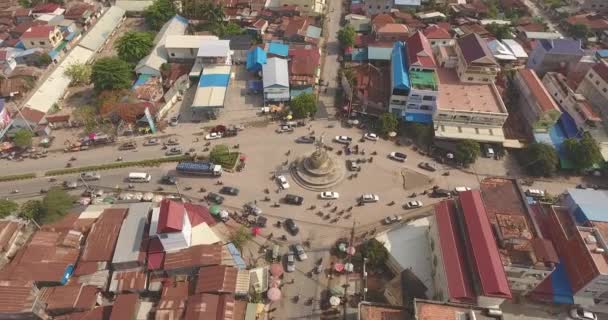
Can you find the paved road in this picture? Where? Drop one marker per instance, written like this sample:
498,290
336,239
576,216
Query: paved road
331,65
536,11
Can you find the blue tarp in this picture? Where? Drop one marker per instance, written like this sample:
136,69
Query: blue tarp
214,80
568,125
401,79
278,49
359,54
562,292
418,117
236,255
142,79
255,59
255,85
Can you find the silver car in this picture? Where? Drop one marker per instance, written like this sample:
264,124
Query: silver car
291,263
299,250
90,176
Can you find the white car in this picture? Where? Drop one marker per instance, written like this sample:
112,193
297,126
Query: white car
343,139
535,193
152,142
462,189
371,136
299,250
398,156
284,128
90,176
392,219
413,204
213,136
329,195
369,197
581,314
283,182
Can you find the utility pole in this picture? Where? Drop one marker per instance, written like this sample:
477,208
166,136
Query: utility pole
351,243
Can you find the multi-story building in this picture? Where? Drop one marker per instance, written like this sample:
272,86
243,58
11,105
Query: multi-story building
422,100
374,7
594,87
579,231
400,79
439,36
468,110
535,103
555,55
475,61
595,6
44,36
310,7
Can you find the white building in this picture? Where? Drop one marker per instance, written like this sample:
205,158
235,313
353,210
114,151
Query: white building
170,222
185,47
151,63
276,80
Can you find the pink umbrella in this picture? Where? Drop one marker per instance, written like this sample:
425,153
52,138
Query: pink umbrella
276,269
351,251
339,267
256,231
274,294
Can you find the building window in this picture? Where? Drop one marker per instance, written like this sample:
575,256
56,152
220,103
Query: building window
42,43
425,107
459,129
470,78
428,98
485,79
476,130
370,6
32,42
432,43
597,83
379,6
386,7
590,75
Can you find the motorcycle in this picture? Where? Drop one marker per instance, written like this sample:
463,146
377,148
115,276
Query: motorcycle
130,186
73,159
68,165
188,188
118,159
202,189
219,183
278,224
447,173
276,205
413,195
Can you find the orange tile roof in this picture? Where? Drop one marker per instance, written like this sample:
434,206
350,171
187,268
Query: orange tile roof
535,85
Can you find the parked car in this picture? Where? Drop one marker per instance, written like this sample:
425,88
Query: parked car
369,197
173,121
292,227
414,204
128,146
306,139
427,166
299,250
329,195
581,314
250,207
441,193
352,165
343,139
213,136
173,151
391,219
214,197
172,142
283,182
371,136
90,176
232,191
168,180
293,199
151,142
261,221
70,185
284,128
290,262
535,193
398,156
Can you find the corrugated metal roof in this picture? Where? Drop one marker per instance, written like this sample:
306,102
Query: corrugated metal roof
179,41
69,298
214,48
134,5
216,279
592,203
379,53
401,79
171,216
101,31
129,243
7,231
486,258
210,307
195,256
198,214
176,26
278,49
124,307
128,281
17,296
209,97
101,241
275,73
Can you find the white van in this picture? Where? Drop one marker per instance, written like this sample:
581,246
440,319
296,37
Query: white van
139,177
489,152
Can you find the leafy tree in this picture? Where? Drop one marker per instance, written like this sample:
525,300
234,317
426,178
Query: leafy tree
31,210
23,138
7,207
55,204
422,134
388,123
212,13
240,237
44,59
229,29
579,31
133,46
540,159
88,116
583,153
346,36
111,73
79,73
158,13
467,151
304,105
375,253
500,31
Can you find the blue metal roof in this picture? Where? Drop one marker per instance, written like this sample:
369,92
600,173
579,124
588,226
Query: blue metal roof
592,203
401,79
256,57
142,79
602,53
418,117
563,46
562,291
278,49
214,80
359,54
236,255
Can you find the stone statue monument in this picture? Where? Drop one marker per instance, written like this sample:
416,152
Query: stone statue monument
320,169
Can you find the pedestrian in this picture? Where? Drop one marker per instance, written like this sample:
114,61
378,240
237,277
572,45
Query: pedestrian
255,201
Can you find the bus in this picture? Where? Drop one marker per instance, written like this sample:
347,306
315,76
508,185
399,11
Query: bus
139,177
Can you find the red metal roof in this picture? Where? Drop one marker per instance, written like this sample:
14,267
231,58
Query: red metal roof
536,87
602,70
38,32
488,266
210,307
156,260
124,307
171,216
198,214
216,279
102,238
45,8
419,51
195,256
436,32
452,251
304,60
17,296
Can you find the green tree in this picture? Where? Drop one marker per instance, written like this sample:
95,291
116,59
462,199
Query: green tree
422,134
388,122
375,253
583,153
88,116
229,29
23,138
304,105
540,159
44,59
55,204
346,36
111,73
240,237
212,13
500,31
467,151
7,207
79,73
158,13
579,31
31,210
133,46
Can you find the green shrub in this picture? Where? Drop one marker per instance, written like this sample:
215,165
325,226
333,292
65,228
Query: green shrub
116,165
18,177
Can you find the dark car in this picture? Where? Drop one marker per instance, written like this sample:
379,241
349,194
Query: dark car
261,221
441,193
293,199
214,197
229,191
127,146
427,166
168,180
292,227
306,139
